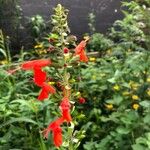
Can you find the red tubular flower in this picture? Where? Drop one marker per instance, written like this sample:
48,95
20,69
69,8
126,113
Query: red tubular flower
80,50
46,89
57,136
65,107
39,76
83,57
57,131
36,63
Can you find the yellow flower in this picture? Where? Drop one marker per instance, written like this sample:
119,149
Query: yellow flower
38,46
135,97
135,106
148,92
39,51
109,106
134,85
45,51
148,79
116,87
93,59
51,83
3,62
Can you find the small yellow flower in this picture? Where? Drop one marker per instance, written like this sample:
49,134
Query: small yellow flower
93,59
134,85
135,97
129,50
148,92
135,106
45,51
148,79
3,62
38,46
51,83
109,106
116,87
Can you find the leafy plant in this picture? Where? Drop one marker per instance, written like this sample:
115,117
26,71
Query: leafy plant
37,25
99,42
4,48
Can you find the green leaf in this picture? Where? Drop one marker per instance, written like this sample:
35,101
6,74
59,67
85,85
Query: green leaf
138,147
26,103
122,130
117,99
112,80
145,103
3,52
21,119
147,118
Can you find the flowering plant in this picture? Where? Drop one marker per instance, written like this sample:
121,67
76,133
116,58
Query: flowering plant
68,58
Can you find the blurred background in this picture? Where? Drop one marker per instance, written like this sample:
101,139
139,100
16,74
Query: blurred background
16,19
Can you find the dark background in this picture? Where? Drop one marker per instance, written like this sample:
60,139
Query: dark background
106,11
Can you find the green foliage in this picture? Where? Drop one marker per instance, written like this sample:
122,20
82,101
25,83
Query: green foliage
37,25
99,42
4,48
114,82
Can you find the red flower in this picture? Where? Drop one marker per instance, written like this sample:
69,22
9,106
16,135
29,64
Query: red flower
80,50
81,100
57,131
39,76
66,50
57,136
46,89
36,63
65,107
